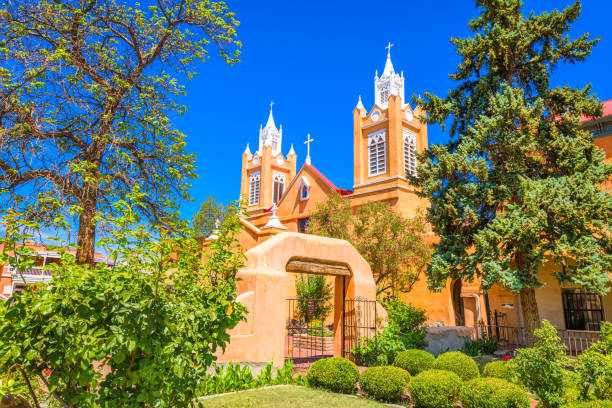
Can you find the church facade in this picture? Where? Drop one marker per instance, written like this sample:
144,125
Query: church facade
281,197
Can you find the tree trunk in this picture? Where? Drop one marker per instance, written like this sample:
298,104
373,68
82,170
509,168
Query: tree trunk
531,316
86,240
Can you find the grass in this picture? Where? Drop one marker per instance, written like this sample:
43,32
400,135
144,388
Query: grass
288,397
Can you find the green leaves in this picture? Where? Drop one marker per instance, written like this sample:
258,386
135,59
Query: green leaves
138,333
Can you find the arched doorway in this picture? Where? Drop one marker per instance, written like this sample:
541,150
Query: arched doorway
458,306
262,289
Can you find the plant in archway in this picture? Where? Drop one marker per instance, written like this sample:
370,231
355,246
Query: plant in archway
314,298
518,184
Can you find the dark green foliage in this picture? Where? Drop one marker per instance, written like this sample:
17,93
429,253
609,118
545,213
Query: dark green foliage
499,369
518,184
336,374
483,345
313,287
435,389
385,383
590,404
234,377
414,361
595,362
405,331
542,367
493,393
459,363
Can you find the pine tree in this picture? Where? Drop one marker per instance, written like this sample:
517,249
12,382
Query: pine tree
518,184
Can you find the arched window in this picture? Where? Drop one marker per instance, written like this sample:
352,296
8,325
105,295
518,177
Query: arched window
410,160
279,187
376,153
254,187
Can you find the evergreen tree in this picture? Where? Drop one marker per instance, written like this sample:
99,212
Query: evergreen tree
519,181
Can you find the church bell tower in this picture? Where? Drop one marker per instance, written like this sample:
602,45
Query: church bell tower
266,173
386,138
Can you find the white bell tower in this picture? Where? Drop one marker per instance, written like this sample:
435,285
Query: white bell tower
270,135
389,83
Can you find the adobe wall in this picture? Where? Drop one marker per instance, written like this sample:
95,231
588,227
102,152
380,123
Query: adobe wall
262,288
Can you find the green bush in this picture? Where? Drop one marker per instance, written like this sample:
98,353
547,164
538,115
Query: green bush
493,393
542,367
384,383
484,345
336,374
405,331
414,361
459,363
590,404
499,369
313,287
595,362
604,387
435,389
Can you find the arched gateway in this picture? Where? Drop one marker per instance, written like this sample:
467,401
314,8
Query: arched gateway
263,288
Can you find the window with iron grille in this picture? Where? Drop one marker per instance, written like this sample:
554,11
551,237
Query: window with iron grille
410,162
254,187
376,153
302,224
583,310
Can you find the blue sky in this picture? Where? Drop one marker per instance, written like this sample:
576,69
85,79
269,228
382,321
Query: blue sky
314,59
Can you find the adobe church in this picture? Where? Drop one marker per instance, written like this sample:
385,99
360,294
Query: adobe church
281,197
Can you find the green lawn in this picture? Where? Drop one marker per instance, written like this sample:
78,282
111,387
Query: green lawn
288,397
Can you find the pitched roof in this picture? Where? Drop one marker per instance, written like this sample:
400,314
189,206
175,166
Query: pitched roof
331,185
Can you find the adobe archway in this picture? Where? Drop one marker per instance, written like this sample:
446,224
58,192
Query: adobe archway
263,286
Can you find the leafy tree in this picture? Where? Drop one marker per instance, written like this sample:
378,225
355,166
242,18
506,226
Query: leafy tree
88,92
140,333
313,287
211,213
518,183
393,245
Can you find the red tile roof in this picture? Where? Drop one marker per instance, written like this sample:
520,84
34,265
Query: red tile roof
607,111
341,191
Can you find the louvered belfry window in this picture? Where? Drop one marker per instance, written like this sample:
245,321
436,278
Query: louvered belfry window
377,153
254,187
410,161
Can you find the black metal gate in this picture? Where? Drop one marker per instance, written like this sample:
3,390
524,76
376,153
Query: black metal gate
308,337
359,326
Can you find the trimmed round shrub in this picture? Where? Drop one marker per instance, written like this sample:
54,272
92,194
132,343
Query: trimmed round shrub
384,383
435,389
498,369
590,404
336,374
459,363
493,393
414,361
603,388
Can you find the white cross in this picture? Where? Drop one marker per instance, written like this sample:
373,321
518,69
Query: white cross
307,143
388,47
271,104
